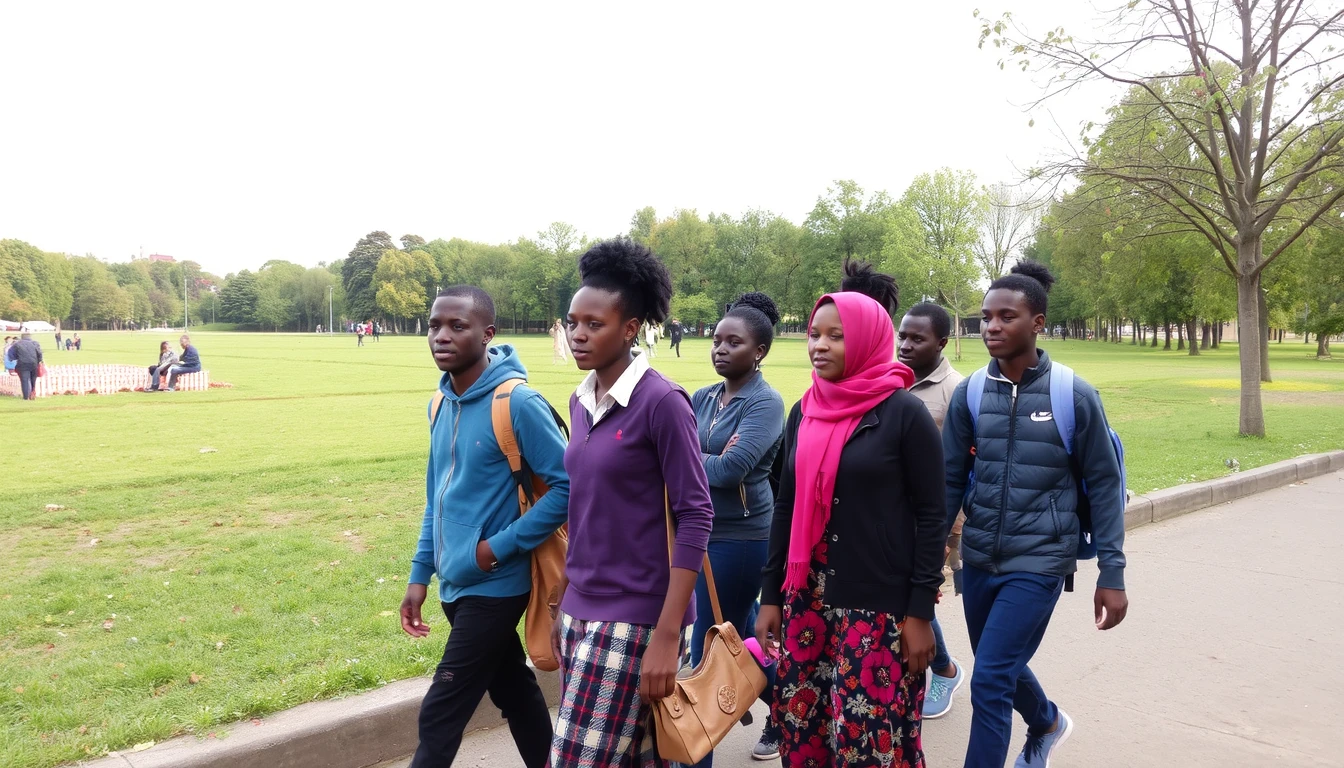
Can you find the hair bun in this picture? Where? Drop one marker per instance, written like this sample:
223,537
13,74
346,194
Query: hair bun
1036,271
759,301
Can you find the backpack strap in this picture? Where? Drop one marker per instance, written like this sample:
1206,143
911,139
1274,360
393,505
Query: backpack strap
975,392
501,418
1061,403
435,405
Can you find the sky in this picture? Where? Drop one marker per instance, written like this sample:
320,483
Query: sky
235,133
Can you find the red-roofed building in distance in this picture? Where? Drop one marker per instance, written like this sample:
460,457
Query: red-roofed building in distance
161,257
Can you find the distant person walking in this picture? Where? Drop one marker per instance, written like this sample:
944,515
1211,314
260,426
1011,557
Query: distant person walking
190,362
78,342
651,339
674,332
27,357
559,343
377,331
58,341
359,334
167,359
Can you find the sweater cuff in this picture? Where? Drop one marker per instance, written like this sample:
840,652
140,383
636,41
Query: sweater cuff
687,557
1112,578
920,605
504,544
772,589
420,574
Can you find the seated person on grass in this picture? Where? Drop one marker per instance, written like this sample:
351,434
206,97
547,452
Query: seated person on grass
190,362
167,358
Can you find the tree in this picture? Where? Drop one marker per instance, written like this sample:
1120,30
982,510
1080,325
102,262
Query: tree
642,223
357,274
238,298
405,281
1245,149
950,209
694,309
683,242
1009,223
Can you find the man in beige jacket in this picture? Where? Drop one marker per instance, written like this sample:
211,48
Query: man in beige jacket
919,344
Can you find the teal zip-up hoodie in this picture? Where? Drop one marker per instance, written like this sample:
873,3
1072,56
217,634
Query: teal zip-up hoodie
470,493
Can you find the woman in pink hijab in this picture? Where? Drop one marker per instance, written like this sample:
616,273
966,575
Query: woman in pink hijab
856,549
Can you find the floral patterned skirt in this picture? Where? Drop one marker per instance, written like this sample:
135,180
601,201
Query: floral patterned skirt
842,696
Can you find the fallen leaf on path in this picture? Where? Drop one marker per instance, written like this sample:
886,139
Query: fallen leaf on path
142,746
256,721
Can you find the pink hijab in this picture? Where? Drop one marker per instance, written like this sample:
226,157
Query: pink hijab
831,413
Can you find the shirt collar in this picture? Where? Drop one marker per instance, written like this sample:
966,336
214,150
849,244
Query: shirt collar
619,393
939,373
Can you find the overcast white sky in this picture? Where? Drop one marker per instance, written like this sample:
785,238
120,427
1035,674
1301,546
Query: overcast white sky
253,131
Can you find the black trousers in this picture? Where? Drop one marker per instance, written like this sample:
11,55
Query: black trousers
483,655
676,344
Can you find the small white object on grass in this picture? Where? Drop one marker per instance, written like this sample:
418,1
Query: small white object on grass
209,450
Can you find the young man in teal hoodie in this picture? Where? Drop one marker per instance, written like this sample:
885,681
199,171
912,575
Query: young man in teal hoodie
473,538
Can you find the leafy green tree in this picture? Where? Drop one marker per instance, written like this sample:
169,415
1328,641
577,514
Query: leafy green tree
238,298
404,282
357,274
695,309
950,208
1231,143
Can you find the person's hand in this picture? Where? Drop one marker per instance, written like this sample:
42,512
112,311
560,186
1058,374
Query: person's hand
769,629
658,669
1109,607
411,623
731,442
485,556
557,631
917,645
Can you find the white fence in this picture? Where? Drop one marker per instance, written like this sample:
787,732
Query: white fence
99,380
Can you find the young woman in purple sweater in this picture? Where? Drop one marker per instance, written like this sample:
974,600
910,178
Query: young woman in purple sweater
633,454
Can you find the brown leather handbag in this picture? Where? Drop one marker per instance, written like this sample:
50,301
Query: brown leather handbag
711,698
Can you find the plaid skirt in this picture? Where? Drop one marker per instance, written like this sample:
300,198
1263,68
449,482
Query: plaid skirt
602,723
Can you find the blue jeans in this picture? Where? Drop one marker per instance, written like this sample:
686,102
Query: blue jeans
737,578
178,370
1006,616
941,658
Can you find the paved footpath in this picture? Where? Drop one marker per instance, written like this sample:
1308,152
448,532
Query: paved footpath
1232,653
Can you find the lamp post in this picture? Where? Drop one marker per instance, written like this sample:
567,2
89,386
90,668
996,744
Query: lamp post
184,301
331,315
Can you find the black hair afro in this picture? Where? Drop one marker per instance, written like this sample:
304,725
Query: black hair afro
861,277
760,315
1030,278
632,271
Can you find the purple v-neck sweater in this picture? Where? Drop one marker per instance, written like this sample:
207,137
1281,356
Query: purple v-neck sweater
618,549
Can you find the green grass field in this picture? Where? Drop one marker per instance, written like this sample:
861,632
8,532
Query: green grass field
178,590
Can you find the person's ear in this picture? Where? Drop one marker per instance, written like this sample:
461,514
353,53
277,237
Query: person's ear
632,329
489,335
942,344
1038,324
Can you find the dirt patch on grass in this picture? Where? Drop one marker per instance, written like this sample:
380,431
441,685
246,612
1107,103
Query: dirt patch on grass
1304,398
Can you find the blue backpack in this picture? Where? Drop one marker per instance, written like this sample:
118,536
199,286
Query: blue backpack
1061,406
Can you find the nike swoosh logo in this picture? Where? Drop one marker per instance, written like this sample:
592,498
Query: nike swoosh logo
1042,416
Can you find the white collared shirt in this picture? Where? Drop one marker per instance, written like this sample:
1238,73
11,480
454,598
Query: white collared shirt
619,393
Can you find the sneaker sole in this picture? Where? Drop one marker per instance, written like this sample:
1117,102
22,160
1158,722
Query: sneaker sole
1068,729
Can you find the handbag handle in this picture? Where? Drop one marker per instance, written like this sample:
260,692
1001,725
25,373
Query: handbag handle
709,571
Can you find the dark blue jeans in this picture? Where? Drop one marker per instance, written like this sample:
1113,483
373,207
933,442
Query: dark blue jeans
737,578
1006,616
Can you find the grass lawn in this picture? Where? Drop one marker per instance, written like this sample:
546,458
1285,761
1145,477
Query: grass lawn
177,590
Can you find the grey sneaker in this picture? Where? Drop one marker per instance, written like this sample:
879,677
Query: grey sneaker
1036,752
765,749
938,698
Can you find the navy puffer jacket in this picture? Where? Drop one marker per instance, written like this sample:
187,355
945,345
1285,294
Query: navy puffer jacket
1022,514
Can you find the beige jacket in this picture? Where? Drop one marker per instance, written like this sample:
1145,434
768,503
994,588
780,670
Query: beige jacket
935,391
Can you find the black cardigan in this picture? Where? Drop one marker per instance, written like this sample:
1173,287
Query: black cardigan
888,522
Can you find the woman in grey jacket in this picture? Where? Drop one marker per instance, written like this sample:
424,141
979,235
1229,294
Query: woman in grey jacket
740,424
167,359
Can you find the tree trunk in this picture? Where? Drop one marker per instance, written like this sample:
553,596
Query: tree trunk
1204,337
1322,346
1263,308
1191,332
1306,337
1180,336
1134,340
1155,335
1252,419
1167,331
1217,334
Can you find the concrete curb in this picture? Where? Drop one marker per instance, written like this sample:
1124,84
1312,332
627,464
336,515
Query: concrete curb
1172,502
369,728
